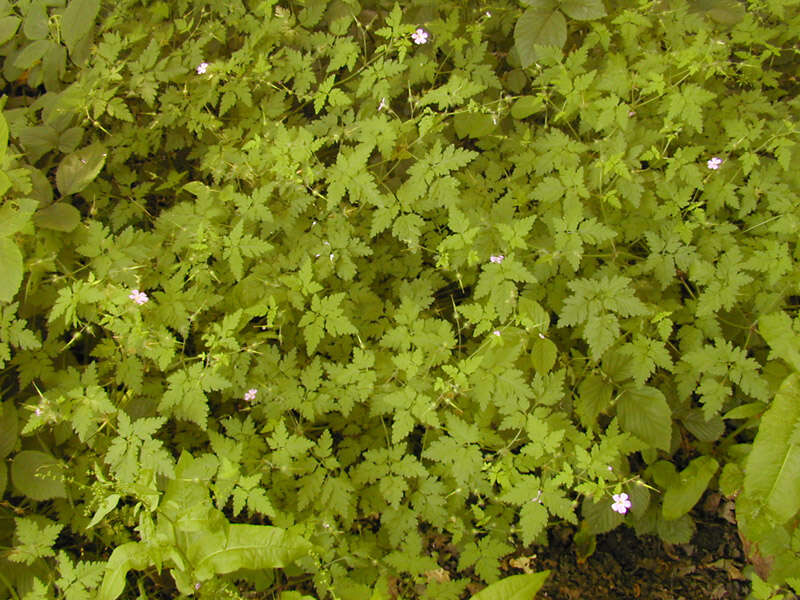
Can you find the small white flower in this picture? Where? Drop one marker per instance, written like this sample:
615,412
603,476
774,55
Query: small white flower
38,412
714,163
621,503
250,394
420,36
497,259
201,68
496,332
138,297
382,105
488,14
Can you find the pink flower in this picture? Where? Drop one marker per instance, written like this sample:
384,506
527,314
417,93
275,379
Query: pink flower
201,68
250,395
621,503
420,36
138,297
497,259
714,163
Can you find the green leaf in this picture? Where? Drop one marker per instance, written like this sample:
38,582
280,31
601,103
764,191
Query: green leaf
644,412
79,169
526,106
36,539
59,217
727,12
516,587
583,10
8,27
10,269
778,331
543,355
9,427
772,473
106,506
36,25
538,27
532,520
32,53
692,482
31,473
132,555
253,547
3,137
473,125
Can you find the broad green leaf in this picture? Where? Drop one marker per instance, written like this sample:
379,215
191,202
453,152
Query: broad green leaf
526,106
777,329
78,170
32,53
772,473
516,587
32,473
543,355
538,27
253,547
77,20
9,428
583,10
8,27
10,269
644,412
692,482
36,25
59,216
132,555
473,125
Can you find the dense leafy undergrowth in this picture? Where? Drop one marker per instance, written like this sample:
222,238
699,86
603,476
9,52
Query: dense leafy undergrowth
294,293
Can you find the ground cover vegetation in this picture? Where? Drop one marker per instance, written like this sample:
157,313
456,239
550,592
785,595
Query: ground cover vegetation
355,299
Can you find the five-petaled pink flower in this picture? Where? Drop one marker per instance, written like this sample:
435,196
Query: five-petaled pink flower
138,297
420,36
250,395
497,259
201,68
714,163
621,503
